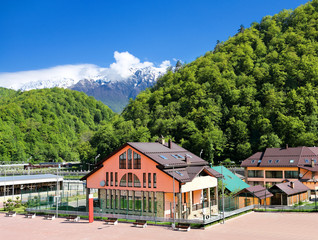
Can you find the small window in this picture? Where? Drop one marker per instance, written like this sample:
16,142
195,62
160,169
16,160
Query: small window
107,179
144,180
253,161
129,179
149,180
154,180
116,179
270,161
163,157
111,179
277,161
259,161
291,161
175,156
306,161
315,161
179,156
179,173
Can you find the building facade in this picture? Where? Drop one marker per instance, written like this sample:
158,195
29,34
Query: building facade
155,179
289,193
275,165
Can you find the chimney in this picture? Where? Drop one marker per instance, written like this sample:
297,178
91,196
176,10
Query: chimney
312,162
187,159
286,146
292,184
162,140
170,143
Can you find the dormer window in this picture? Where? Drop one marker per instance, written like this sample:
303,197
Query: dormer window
253,161
291,161
277,161
270,161
306,161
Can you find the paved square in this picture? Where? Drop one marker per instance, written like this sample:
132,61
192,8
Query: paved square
258,226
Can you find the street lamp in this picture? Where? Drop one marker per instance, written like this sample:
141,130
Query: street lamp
96,158
222,193
174,201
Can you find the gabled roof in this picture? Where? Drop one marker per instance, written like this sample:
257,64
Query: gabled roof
287,188
171,158
162,154
258,191
231,181
282,157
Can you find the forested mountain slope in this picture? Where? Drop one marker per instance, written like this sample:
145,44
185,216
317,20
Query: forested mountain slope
48,124
258,89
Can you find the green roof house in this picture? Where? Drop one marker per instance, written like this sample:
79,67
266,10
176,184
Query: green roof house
231,181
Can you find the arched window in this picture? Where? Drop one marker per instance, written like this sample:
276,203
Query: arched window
136,181
131,179
123,181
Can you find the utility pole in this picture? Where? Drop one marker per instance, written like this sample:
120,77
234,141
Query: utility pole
174,201
222,195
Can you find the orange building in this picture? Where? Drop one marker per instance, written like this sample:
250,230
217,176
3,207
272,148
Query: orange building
277,164
289,193
142,178
257,195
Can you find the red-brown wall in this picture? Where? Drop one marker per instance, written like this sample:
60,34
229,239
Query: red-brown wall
164,181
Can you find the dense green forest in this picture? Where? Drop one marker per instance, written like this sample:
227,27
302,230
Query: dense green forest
47,125
55,125
258,89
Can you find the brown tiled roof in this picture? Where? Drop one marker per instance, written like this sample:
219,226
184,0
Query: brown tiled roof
288,189
158,152
282,157
213,172
259,191
171,160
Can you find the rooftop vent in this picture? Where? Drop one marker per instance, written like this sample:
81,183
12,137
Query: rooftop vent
292,185
170,143
187,159
161,140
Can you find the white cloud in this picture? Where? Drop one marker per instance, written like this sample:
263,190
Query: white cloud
67,75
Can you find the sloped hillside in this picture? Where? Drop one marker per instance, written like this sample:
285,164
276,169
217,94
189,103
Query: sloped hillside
258,89
48,124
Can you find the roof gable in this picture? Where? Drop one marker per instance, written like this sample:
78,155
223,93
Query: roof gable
175,161
282,157
287,188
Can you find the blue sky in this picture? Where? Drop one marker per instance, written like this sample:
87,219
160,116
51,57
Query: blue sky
46,33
